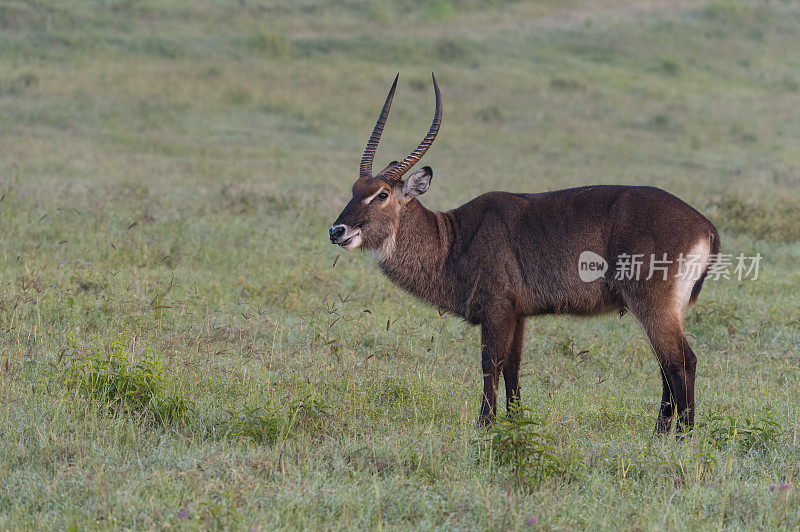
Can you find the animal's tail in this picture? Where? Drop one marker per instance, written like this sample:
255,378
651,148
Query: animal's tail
698,285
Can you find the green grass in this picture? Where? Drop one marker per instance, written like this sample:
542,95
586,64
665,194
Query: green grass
182,348
126,385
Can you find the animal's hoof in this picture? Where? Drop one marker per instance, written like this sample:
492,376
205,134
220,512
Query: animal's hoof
663,425
683,432
485,420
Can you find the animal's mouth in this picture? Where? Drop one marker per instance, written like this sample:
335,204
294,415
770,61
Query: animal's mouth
352,241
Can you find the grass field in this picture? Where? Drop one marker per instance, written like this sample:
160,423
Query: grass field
182,348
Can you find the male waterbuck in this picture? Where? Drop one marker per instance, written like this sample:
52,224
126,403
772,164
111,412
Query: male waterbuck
502,257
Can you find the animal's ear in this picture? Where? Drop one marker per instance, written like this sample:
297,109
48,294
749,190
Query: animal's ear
417,183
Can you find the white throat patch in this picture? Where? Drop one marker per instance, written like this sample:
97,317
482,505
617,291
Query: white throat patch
385,251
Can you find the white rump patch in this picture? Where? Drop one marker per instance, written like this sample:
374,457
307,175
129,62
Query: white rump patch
690,271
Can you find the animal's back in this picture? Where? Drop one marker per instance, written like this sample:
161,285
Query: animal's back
548,232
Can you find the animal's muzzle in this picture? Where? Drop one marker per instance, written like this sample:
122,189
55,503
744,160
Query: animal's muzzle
336,233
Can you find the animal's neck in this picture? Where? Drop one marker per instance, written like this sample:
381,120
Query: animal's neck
415,257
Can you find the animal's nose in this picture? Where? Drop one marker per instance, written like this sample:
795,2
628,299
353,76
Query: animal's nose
336,233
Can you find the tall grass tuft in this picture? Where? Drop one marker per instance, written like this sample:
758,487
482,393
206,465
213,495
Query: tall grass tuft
268,423
750,433
260,423
522,441
126,383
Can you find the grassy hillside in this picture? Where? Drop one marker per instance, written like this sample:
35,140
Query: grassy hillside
181,346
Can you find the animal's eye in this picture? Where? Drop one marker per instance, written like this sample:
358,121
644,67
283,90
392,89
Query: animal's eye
382,196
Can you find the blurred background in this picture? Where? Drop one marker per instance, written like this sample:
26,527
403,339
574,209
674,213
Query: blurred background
168,174
187,97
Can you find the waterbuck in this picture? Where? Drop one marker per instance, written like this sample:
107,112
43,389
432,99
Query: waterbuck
502,257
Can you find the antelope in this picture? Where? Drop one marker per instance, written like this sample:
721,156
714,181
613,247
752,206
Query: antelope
502,257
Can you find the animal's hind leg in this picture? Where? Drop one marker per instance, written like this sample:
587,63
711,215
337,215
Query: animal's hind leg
686,418
664,422
511,368
678,364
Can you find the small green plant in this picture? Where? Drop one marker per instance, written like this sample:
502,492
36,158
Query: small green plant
566,346
715,313
566,84
220,510
273,44
775,222
704,461
309,415
438,9
126,383
260,423
687,464
449,50
659,121
522,441
16,86
390,392
751,433
490,114
238,96
670,67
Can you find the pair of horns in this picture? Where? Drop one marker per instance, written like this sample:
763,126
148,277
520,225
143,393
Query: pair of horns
395,172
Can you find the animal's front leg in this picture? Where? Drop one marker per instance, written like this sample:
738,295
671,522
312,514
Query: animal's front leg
497,332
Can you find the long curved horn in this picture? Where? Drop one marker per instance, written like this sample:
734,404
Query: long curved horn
372,143
397,172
